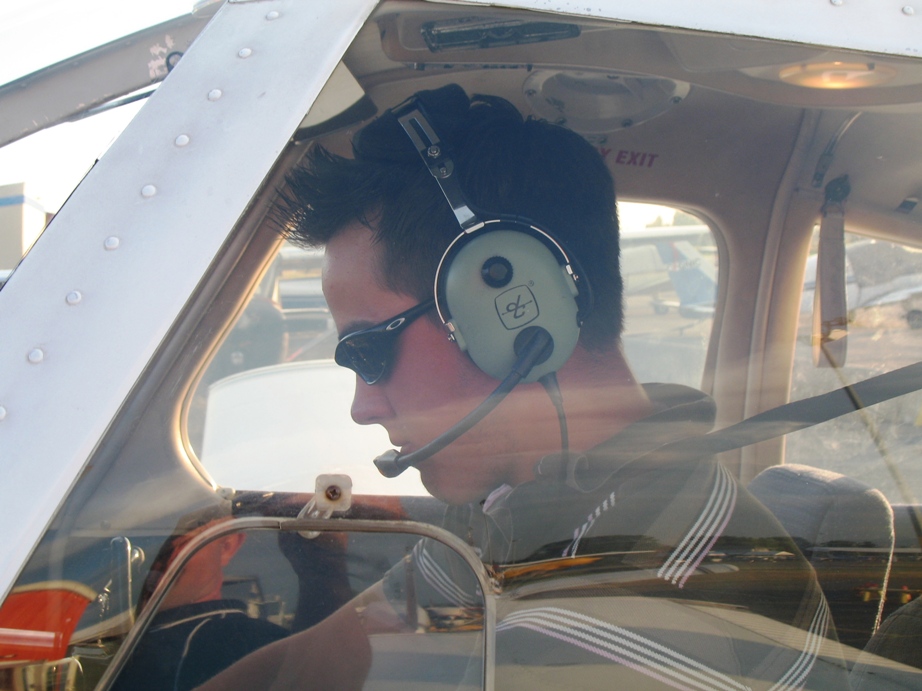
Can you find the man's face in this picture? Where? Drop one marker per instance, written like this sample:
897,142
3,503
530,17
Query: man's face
203,575
431,384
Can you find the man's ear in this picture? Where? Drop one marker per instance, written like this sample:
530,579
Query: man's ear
230,545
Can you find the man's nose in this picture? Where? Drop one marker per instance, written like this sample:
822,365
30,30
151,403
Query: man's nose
370,405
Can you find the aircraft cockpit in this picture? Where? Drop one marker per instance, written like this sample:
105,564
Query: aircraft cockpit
715,486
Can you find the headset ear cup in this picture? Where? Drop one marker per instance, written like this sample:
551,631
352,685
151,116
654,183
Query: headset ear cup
495,282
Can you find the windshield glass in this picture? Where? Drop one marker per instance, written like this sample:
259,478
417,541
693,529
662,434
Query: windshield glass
883,297
491,293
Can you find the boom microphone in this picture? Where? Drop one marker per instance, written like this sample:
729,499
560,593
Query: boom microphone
537,347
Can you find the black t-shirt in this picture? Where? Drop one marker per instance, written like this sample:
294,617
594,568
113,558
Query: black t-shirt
187,645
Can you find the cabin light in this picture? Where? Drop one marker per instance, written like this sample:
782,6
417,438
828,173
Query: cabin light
837,75
600,102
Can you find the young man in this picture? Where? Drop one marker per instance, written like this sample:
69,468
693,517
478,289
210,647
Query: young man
615,557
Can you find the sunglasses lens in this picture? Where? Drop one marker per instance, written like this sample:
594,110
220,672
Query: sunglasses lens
369,352
368,355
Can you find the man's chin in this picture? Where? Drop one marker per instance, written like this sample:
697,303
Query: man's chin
447,482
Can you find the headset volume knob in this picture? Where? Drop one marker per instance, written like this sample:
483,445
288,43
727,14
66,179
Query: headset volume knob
496,272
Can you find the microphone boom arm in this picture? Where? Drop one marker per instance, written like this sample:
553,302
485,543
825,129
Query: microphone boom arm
392,463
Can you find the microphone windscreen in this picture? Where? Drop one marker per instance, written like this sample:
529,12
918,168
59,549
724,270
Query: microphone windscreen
387,464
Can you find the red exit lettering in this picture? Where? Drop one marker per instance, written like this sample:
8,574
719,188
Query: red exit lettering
631,158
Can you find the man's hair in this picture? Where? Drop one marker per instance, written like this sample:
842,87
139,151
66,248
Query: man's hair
505,165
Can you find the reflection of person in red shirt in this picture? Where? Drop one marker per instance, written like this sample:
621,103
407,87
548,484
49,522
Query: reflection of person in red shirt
203,575
196,632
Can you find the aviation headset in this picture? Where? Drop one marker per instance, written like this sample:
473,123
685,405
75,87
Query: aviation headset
503,278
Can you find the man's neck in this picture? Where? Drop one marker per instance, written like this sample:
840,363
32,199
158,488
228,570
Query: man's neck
601,397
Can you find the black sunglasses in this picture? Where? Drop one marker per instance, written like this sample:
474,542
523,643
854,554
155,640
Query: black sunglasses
370,352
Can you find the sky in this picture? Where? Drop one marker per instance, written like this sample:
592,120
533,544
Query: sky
38,33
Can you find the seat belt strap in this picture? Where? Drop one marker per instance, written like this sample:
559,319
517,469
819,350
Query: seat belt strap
807,412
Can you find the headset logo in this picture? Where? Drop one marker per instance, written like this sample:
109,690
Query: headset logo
516,307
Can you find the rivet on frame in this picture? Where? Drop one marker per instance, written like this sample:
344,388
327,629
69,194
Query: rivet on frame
2,413
837,3
182,140
909,10
272,15
215,94
36,355
74,297
244,52
111,243
148,191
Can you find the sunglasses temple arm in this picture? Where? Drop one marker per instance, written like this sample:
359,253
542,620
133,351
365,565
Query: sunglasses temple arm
392,464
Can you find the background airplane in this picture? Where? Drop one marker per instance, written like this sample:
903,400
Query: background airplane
877,273
693,277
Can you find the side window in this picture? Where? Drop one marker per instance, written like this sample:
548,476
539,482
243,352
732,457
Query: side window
258,397
876,445
669,266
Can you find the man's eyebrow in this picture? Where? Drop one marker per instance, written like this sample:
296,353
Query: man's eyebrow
353,326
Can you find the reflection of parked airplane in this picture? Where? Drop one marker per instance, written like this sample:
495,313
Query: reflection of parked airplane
877,273
693,277
648,255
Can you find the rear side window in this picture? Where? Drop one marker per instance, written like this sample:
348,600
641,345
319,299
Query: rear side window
876,445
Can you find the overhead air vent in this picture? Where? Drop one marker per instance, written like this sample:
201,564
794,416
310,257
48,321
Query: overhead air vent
599,102
471,33
908,205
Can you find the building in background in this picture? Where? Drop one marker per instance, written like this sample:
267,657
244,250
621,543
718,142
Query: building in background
21,221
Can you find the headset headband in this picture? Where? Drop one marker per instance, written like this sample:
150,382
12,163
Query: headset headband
415,122
500,274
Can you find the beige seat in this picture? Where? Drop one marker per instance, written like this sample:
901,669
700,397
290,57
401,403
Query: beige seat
845,529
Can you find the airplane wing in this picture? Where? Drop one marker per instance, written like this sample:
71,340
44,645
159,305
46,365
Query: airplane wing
697,311
74,86
895,296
